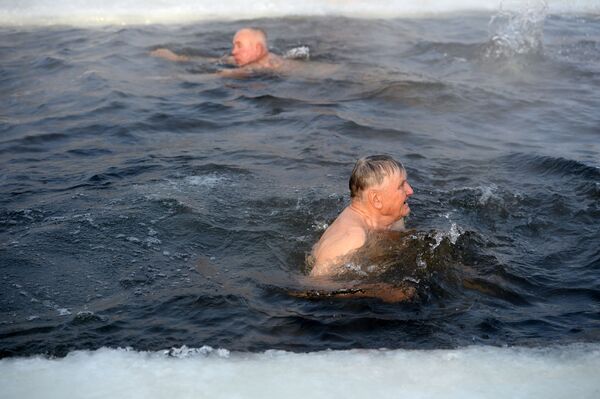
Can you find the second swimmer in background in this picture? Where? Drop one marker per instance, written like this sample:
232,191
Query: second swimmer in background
250,54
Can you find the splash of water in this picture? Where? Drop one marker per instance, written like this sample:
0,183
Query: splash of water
298,53
517,29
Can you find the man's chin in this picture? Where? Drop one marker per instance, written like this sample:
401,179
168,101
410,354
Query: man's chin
406,210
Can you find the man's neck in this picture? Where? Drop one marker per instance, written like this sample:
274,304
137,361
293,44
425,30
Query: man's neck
262,61
371,219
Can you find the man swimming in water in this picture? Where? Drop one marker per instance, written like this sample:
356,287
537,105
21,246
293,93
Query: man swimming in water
250,53
379,190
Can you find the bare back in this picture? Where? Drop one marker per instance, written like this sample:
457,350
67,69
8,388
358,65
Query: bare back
345,235
271,63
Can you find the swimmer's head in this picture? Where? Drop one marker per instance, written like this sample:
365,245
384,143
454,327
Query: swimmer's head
371,171
385,183
249,45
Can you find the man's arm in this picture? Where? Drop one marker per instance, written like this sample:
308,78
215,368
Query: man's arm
326,287
169,55
235,73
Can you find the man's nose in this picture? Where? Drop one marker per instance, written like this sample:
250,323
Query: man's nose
410,190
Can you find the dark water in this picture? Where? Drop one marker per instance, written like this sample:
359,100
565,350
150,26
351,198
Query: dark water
152,205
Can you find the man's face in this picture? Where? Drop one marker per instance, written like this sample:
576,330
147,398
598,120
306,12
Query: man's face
395,191
245,48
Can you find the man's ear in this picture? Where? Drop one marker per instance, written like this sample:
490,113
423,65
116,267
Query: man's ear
374,198
260,48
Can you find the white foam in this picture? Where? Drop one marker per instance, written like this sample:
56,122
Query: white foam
475,372
205,180
122,12
453,234
298,53
63,312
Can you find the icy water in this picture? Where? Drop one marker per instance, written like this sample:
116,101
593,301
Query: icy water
151,205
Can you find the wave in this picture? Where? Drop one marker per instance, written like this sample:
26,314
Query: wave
471,372
547,165
116,12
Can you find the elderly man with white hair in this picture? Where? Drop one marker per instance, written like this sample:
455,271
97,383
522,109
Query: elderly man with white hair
379,190
250,53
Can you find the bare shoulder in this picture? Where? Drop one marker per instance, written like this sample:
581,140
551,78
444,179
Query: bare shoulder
335,245
275,61
346,240
355,235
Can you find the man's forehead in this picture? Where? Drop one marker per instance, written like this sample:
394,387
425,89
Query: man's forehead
392,179
243,35
398,175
